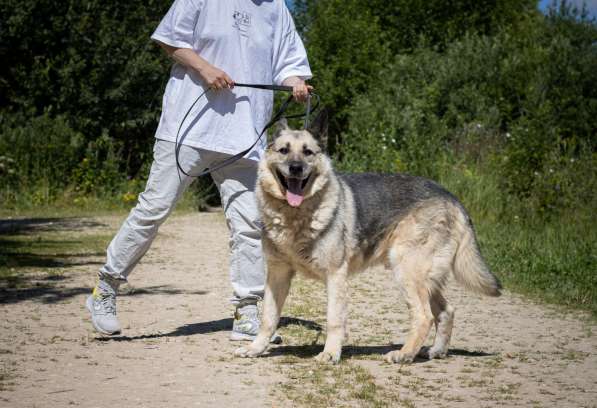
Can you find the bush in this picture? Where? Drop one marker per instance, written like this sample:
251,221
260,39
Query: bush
350,42
91,62
97,173
38,154
42,160
524,107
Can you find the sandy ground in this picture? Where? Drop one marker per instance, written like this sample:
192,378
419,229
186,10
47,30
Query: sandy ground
174,350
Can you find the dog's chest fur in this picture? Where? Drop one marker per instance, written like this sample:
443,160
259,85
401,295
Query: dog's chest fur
304,236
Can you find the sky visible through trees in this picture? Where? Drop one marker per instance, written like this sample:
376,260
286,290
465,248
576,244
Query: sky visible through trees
543,5
591,5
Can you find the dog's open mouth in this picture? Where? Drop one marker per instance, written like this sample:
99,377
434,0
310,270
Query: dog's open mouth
294,188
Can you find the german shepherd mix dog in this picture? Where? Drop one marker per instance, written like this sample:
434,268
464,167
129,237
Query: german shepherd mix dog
328,226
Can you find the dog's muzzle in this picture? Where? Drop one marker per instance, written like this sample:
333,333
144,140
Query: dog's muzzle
293,185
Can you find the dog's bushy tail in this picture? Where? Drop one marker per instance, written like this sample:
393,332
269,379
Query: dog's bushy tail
470,269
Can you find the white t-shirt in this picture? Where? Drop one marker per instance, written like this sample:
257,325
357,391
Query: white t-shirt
253,41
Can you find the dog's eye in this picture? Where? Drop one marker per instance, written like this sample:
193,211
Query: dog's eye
308,152
283,150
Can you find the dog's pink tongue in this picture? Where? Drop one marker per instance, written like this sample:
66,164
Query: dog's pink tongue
294,194
294,199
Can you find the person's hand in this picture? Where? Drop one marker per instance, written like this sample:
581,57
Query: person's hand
215,78
301,91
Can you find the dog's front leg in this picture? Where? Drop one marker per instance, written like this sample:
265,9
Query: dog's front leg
337,291
279,276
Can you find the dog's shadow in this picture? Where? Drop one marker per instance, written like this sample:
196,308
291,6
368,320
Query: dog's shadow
301,351
311,350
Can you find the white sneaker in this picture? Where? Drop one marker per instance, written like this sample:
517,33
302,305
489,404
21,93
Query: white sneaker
102,306
246,324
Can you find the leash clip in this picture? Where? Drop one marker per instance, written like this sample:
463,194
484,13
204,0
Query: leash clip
307,111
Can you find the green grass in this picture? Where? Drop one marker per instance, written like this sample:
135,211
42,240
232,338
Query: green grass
311,384
549,257
42,242
90,207
48,251
555,262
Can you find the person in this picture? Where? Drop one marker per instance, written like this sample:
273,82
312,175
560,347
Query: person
213,43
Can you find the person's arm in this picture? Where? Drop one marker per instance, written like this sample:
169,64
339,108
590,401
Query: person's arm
300,89
218,79
290,63
214,77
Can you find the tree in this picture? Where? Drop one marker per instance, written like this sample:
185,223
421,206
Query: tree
350,42
90,61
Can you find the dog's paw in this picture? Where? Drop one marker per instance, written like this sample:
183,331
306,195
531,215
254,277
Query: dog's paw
247,352
432,352
326,357
399,357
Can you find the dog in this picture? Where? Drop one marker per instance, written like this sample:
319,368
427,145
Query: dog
329,226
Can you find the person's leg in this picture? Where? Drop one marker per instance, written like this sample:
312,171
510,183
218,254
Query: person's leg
236,184
165,186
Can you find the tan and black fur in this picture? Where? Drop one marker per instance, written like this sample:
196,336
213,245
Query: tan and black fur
329,226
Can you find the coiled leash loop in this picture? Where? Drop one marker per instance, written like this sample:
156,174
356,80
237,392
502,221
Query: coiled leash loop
279,115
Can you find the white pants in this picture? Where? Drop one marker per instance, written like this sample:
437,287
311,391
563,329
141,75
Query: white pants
165,186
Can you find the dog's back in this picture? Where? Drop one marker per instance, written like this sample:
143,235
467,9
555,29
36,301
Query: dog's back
383,200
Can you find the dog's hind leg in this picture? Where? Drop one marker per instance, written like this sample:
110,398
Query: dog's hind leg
337,310
421,317
412,267
277,286
444,320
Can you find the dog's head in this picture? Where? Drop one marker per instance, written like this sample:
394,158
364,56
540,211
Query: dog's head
294,167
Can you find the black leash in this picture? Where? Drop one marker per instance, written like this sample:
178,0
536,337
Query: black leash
279,115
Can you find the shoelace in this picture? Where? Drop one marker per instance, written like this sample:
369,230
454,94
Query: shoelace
108,301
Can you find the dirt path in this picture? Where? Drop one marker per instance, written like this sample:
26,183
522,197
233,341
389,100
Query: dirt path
175,350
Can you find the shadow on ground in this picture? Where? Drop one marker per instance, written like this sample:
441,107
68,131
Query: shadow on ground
33,260
29,225
21,247
44,292
212,326
304,351
311,350
14,259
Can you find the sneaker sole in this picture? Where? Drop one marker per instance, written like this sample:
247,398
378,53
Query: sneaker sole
235,336
89,305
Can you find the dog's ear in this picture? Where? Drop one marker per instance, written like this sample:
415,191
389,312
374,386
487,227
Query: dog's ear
319,127
280,125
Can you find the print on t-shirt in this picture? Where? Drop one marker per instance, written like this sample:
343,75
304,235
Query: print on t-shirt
242,21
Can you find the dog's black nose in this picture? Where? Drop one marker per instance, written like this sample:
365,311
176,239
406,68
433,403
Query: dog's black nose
295,168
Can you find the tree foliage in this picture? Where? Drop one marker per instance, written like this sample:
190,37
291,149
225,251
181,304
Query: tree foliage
523,107
491,86
91,62
350,42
